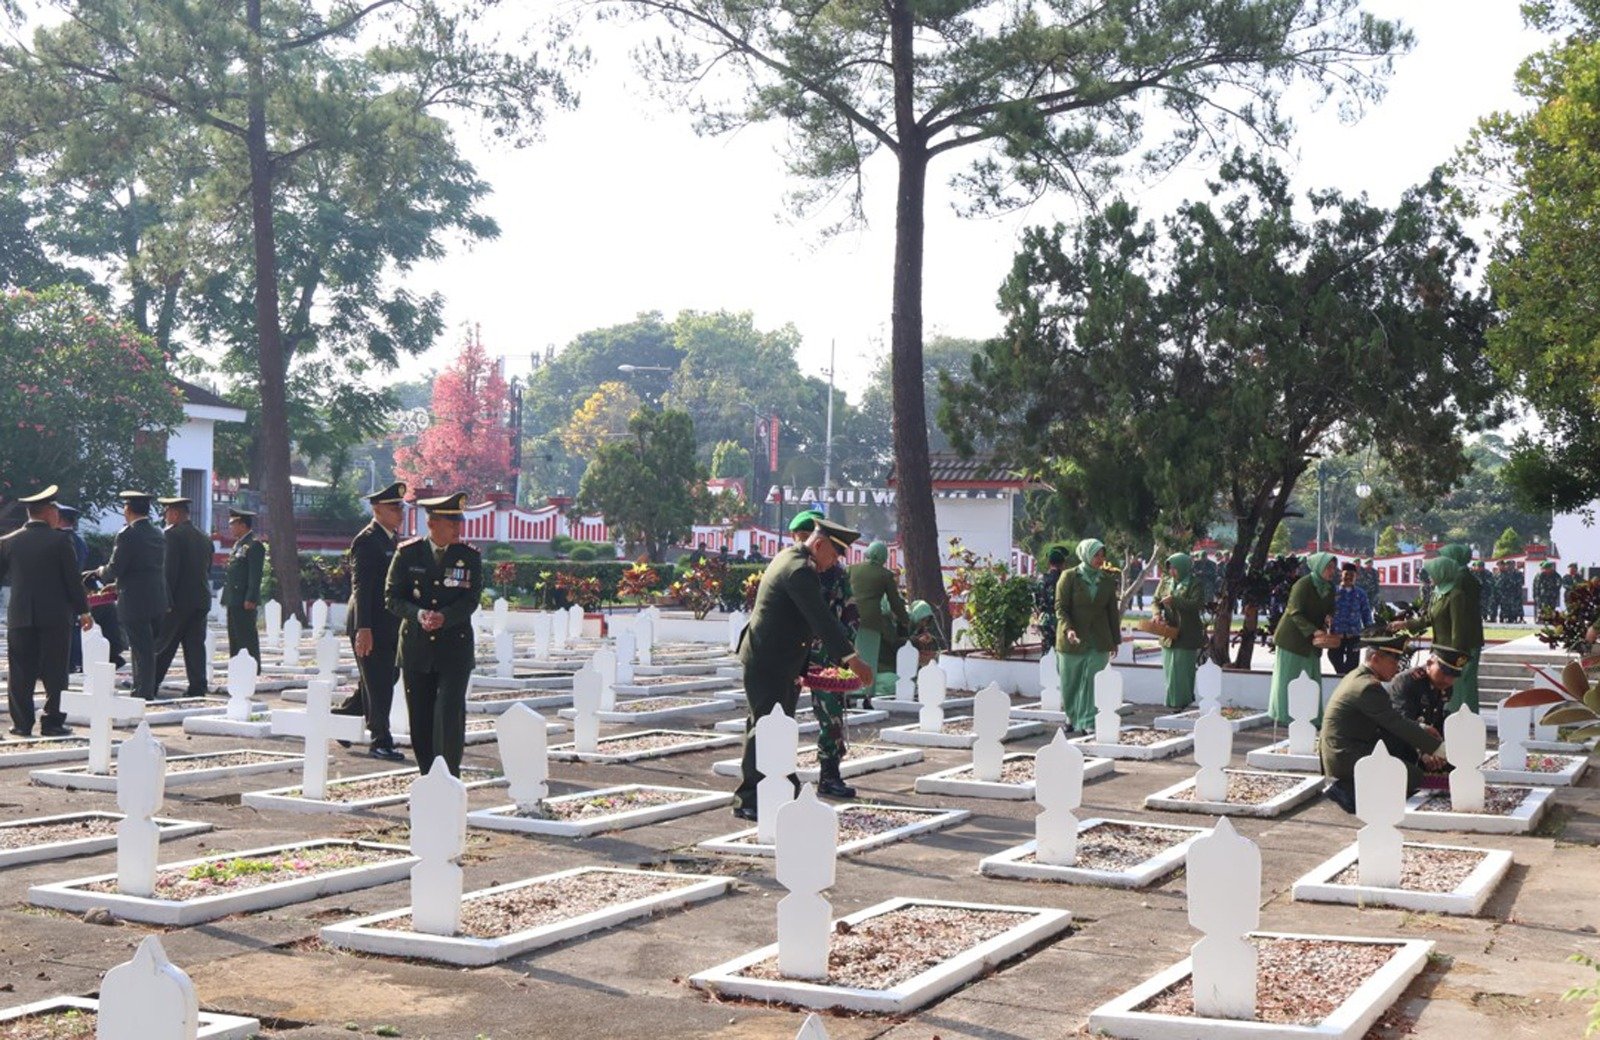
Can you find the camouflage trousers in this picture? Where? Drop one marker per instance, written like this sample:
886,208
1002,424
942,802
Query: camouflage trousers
829,710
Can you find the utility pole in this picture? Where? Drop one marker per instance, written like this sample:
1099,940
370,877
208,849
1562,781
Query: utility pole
827,451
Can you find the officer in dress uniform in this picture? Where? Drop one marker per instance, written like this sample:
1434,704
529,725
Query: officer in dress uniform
241,587
39,564
374,632
188,571
433,586
774,647
138,568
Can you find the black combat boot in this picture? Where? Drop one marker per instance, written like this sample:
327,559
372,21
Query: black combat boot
831,784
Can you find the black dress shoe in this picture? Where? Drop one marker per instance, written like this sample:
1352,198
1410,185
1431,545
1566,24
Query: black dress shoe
388,754
23,733
744,812
1341,794
55,731
342,743
835,788
349,709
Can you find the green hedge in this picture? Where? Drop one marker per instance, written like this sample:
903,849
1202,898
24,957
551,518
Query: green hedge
524,589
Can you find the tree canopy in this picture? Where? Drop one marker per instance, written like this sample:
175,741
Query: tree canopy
467,446
645,484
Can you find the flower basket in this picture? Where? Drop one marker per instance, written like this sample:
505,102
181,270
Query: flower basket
103,598
1157,628
832,680
1326,641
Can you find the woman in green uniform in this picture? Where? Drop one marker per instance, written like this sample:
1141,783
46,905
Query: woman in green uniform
1088,629
1310,608
1178,598
1456,620
884,624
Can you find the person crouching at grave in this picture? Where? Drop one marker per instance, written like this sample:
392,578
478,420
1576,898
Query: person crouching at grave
827,705
1178,599
1360,713
433,586
774,647
1088,629
924,635
1420,695
884,622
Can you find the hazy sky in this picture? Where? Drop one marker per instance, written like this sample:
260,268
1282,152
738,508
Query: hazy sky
622,209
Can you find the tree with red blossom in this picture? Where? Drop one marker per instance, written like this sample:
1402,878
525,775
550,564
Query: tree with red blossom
468,446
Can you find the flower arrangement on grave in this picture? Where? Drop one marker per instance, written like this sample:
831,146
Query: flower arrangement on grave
1564,629
1569,700
638,582
832,680
997,603
580,589
700,587
752,584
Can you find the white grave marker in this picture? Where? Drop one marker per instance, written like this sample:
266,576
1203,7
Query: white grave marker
524,755
905,670
1208,687
541,635
319,617
812,1029
291,643
96,648
1465,739
399,712
644,634
777,744
209,666
505,665
438,838
147,998
736,622
272,615
930,692
959,629
328,657
604,661
625,652
141,787
585,710
1512,727
991,717
805,852
1107,699
574,623
1058,788
1213,748
101,705
502,615
1381,804
317,725
241,685
1049,678
1305,700
1224,871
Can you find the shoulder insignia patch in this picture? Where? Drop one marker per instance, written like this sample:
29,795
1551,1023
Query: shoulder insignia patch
409,541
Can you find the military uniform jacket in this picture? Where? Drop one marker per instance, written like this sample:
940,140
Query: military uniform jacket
1307,613
138,566
39,564
1456,619
1547,590
1096,616
1415,698
873,582
243,582
370,555
790,610
188,568
452,585
1183,613
1358,715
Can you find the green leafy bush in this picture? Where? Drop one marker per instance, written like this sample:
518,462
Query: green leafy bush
583,552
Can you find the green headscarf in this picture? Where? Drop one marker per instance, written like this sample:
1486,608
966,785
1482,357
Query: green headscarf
878,553
1181,563
1318,562
1444,572
1086,569
920,611
1457,552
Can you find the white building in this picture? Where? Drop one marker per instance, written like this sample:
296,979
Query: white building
1576,536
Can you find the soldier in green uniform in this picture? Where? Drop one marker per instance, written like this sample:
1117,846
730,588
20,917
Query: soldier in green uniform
1456,623
1208,574
1370,582
1546,590
1483,581
1044,596
1360,713
188,571
1088,628
241,587
1178,601
1308,613
1569,579
790,610
433,586
828,706
884,624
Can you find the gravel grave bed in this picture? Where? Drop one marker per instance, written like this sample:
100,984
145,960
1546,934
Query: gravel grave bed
219,760
1012,771
186,702
1143,736
660,680
71,1024
1117,847
1536,763
624,745
884,951
807,757
1424,870
585,808
1498,800
1248,788
517,910
49,833
656,704
1300,981
358,789
16,747
234,873
863,821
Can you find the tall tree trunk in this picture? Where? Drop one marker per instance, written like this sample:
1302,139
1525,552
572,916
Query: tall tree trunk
277,498
918,527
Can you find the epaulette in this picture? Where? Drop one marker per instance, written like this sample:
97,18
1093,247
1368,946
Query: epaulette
409,541
471,546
